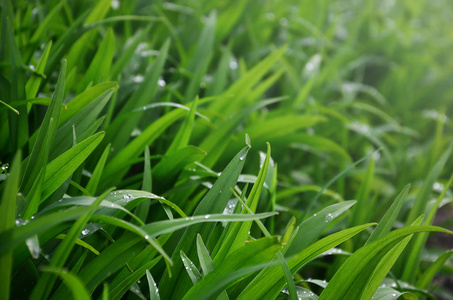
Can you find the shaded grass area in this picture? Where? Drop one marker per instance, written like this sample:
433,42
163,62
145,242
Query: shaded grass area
225,149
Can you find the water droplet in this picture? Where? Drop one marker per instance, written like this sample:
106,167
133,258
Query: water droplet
146,236
315,215
112,205
138,78
32,217
115,4
85,231
284,22
233,64
161,82
207,216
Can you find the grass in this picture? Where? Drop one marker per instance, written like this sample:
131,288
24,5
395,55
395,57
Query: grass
225,149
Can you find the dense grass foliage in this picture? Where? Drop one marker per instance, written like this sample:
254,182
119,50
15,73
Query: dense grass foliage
225,149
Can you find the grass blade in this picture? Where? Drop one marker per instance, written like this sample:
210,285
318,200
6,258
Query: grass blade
7,217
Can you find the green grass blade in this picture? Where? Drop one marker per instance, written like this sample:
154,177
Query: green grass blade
363,195
201,58
165,172
161,227
72,282
63,166
46,23
132,228
311,229
147,185
239,233
181,139
384,266
38,226
203,256
253,254
120,289
367,258
425,279
96,176
119,133
45,284
100,65
18,124
415,252
39,154
423,196
127,53
32,86
269,282
84,99
85,123
191,269
386,223
153,290
213,202
7,217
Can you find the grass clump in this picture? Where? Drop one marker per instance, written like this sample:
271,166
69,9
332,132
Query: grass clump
232,150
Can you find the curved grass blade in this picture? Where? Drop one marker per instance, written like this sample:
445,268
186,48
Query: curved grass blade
245,260
120,289
365,260
37,226
46,282
269,282
386,223
72,282
213,202
426,278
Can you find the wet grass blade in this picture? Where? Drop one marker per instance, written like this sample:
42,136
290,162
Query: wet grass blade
245,260
239,232
45,284
153,290
365,260
120,289
7,217
213,202
32,86
40,151
270,281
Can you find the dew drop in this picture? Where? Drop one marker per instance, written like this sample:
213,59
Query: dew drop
146,236
233,64
161,82
207,216
85,231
